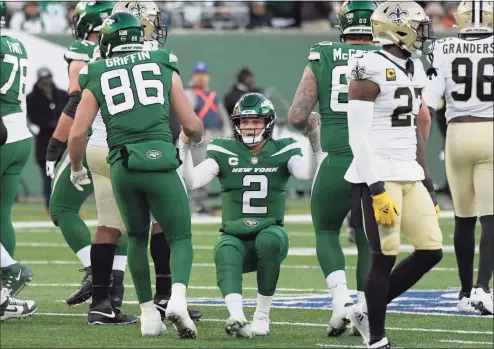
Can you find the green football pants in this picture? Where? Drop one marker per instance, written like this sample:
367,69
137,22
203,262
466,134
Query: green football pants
330,203
13,158
66,202
234,256
164,194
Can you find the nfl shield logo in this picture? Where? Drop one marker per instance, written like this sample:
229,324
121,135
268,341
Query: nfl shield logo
254,161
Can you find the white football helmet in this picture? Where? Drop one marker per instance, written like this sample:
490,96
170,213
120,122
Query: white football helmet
475,17
150,16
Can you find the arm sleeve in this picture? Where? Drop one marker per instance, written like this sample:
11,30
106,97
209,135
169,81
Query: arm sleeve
199,176
299,168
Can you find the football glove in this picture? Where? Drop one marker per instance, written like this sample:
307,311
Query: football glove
79,178
50,169
385,210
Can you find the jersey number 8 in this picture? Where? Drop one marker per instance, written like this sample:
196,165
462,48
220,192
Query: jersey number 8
148,91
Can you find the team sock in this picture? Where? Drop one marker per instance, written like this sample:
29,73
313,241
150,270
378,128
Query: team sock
139,266
464,241
101,261
160,252
181,256
486,255
5,258
363,258
329,253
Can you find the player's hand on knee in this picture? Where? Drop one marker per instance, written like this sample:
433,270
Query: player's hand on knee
50,169
385,209
79,178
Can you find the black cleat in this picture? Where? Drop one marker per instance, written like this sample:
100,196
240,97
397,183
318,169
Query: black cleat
116,289
105,314
83,293
161,301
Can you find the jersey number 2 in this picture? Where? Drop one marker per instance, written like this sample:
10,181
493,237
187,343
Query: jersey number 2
248,195
467,79
16,64
126,90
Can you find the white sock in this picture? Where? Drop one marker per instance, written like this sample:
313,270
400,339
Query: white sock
337,286
84,255
234,304
263,305
178,291
148,307
361,296
4,295
119,263
5,259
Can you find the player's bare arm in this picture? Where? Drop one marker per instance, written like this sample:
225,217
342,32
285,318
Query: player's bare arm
86,113
424,121
191,124
304,101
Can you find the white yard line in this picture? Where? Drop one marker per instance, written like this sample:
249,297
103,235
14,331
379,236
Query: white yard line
338,346
310,324
211,265
289,218
464,342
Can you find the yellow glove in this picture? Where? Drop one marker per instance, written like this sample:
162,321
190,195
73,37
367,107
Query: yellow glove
385,210
438,210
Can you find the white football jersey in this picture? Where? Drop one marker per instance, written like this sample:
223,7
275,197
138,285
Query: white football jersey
394,139
464,76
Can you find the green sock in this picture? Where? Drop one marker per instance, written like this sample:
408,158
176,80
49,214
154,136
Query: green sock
181,256
122,246
74,230
139,266
268,263
363,259
329,252
228,260
8,188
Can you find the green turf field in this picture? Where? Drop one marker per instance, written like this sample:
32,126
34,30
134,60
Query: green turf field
424,318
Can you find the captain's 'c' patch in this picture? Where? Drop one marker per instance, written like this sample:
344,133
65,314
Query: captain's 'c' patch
390,74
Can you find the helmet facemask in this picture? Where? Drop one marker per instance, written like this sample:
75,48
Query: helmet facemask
424,33
252,136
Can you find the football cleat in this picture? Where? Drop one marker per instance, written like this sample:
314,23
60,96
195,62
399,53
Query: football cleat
161,302
116,289
13,308
177,314
238,328
15,277
382,344
464,304
481,300
260,325
105,314
359,319
338,321
83,293
151,323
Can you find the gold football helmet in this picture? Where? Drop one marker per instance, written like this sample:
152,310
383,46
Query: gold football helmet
403,23
475,17
150,16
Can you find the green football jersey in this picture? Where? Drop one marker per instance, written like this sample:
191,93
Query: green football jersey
329,63
13,73
253,185
132,91
80,50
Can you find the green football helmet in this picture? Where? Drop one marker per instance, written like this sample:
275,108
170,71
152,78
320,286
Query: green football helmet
253,105
354,18
121,32
89,16
3,13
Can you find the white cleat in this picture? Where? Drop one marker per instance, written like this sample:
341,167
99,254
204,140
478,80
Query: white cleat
339,321
238,328
260,326
481,300
151,324
465,305
13,308
178,315
359,319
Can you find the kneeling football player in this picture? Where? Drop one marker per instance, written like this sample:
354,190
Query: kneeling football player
253,170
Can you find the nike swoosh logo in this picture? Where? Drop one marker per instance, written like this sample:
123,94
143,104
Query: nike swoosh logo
111,316
72,48
19,276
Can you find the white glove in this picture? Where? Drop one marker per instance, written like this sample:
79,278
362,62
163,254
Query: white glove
50,169
79,178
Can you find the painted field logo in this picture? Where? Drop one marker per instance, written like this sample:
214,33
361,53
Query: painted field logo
251,222
153,154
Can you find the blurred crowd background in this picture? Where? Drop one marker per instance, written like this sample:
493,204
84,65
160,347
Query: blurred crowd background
55,17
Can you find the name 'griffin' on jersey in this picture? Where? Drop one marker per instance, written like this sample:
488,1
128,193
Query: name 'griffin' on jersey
329,63
132,91
394,138
253,185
